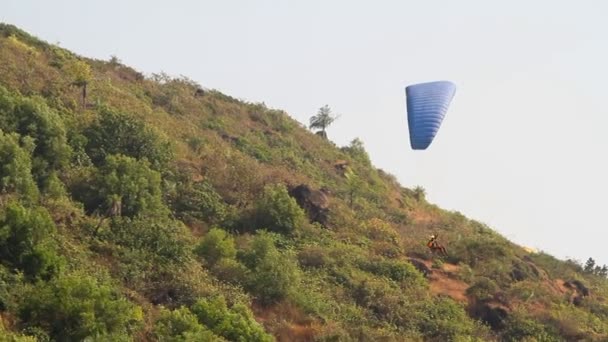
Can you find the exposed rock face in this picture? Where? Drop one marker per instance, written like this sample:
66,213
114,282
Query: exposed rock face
580,291
199,92
314,202
493,314
524,270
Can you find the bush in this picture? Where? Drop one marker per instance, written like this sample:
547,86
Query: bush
396,270
162,241
33,118
128,182
117,133
234,324
181,325
445,320
26,241
273,274
312,256
6,336
75,307
521,328
356,150
231,271
16,170
216,244
201,201
277,211
483,289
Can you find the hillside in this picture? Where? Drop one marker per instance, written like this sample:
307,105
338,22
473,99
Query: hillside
149,208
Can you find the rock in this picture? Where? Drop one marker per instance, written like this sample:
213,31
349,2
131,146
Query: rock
577,300
578,286
229,138
524,270
314,202
580,291
492,314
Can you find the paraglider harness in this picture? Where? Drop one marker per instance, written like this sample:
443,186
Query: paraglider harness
432,241
434,246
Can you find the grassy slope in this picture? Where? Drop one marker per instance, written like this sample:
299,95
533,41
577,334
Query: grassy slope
349,284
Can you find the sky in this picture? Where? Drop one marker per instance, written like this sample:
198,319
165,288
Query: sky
522,148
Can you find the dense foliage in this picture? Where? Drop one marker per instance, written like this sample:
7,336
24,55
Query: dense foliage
148,208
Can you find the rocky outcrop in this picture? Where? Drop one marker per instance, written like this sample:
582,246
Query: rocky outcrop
493,314
580,291
314,202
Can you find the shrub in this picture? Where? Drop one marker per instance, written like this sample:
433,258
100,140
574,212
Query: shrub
356,150
312,256
397,270
216,244
117,133
26,241
76,306
128,182
273,274
521,328
231,271
7,336
483,289
181,325
445,320
234,324
16,169
33,118
162,241
277,211
201,201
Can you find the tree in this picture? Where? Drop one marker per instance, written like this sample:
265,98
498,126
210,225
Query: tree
234,323
128,183
354,185
419,193
16,171
81,75
589,265
181,325
277,211
357,151
120,133
217,244
274,275
77,307
322,120
603,271
26,241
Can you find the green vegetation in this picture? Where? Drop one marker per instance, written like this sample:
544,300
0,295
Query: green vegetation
138,208
322,120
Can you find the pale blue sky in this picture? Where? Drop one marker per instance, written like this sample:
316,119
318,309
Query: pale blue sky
523,147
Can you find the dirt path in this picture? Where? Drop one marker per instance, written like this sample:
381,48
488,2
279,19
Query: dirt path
444,281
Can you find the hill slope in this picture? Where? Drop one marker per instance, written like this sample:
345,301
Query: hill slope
149,208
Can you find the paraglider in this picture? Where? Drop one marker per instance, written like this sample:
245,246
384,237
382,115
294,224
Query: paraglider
435,246
427,104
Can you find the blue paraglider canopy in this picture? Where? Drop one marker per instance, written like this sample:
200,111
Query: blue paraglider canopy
427,104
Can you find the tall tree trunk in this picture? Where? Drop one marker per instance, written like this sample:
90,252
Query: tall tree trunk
84,96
